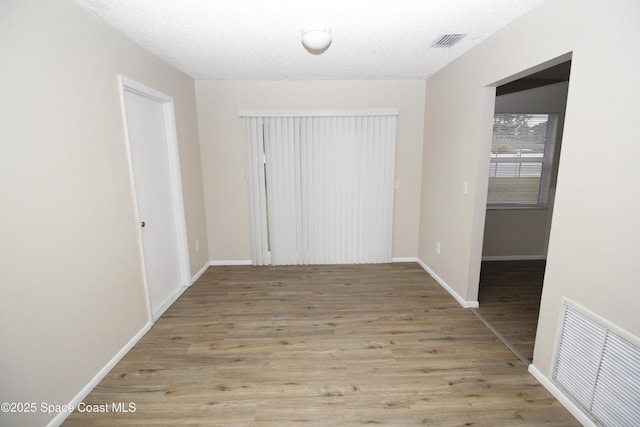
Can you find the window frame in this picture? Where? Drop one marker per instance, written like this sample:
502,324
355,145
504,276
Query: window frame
546,159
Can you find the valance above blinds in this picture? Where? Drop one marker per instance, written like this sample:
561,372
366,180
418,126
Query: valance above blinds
320,185
319,112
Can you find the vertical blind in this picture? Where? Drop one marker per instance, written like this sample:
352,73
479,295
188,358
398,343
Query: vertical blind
320,185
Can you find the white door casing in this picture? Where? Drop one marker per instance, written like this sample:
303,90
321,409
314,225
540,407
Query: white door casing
153,155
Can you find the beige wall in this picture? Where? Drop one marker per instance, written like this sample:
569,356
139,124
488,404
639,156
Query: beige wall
223,164
524,233
515,234
595,231
70,267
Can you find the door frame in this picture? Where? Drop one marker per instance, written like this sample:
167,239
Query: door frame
487,111
128,85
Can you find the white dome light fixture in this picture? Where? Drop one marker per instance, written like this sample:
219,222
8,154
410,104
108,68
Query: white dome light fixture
316,38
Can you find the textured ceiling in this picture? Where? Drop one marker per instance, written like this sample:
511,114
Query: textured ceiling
261,39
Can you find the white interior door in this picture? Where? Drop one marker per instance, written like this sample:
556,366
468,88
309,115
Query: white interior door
148,123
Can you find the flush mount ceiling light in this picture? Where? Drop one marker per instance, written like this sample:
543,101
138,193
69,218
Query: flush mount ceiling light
316,38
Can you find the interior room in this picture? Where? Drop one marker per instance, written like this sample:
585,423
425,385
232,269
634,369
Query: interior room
388,337
516,235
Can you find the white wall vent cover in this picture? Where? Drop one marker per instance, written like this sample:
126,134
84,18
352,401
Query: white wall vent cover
599,369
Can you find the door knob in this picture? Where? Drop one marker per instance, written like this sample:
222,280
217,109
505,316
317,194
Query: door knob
142,224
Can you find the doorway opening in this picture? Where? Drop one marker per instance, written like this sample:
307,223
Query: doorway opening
525,153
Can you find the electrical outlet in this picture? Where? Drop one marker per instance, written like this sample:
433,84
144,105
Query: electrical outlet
438,248
465,187
197,245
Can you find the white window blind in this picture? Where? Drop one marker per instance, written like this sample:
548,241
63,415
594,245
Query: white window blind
320,186
521,158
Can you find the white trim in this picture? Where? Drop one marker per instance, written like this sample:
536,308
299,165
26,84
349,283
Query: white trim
143,90
575,410
175,176
195,278
176,190
514,258
73,403
404,259
230,262
464,303
318,112
178,293
248,261
159,312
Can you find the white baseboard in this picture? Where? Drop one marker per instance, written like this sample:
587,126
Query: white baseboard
583,418
404,259
61,416
514,258
231,262
195,278
464,303
159,312
248,262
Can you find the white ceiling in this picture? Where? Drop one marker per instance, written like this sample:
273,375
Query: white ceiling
261,39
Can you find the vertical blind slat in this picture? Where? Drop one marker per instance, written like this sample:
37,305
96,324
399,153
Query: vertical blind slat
327,189
257,197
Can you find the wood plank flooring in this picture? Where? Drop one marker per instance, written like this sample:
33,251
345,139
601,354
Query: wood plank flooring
321,346
509,298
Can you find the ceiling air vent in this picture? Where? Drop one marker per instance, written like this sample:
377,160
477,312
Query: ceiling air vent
448,40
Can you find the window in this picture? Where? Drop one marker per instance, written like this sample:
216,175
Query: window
320,185
521,156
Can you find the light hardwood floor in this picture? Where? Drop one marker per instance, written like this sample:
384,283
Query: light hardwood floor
321,346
